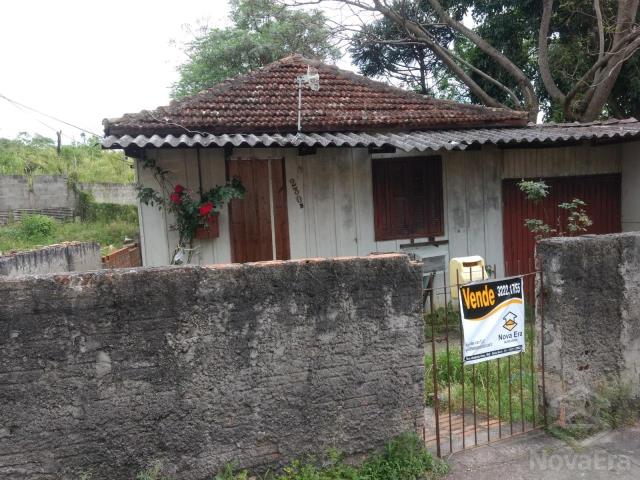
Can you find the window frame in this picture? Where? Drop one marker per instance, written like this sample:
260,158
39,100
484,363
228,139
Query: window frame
433,214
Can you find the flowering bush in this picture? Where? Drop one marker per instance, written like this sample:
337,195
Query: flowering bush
191,213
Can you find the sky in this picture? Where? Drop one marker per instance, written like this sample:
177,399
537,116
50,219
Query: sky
82,61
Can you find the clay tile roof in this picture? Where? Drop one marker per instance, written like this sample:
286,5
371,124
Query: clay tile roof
266,100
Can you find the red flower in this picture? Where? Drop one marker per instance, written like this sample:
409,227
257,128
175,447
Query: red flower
175,198
205,209
178,189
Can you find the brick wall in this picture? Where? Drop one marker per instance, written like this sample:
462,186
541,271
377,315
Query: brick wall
128,256
108,372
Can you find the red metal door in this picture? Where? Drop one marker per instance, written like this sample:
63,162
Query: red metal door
600,192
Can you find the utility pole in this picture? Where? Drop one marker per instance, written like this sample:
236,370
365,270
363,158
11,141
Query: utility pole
59,144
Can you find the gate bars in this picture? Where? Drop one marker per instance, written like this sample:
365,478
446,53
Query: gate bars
489,382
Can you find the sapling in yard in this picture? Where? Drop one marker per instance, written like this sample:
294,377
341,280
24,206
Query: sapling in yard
577,220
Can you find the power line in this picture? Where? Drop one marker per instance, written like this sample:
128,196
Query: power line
18,104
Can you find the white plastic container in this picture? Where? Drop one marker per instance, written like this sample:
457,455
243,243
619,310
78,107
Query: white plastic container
464,270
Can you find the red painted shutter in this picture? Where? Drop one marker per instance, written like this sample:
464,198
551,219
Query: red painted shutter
407,196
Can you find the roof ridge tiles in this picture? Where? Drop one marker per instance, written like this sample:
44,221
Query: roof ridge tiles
265,101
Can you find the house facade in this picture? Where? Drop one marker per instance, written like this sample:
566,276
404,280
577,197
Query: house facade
372,169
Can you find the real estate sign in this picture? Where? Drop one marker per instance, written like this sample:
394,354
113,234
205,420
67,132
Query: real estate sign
492,314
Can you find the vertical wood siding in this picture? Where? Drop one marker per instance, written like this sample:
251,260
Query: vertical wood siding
334,187
157,238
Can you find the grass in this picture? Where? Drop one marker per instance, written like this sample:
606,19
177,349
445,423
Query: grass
442,319
34,231
403,458
83,161
486,382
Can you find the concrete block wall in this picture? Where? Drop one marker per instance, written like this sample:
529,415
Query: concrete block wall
591,311
195,367
51,195
121,194
65,257
48,194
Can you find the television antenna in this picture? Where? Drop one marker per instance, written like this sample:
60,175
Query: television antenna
312,80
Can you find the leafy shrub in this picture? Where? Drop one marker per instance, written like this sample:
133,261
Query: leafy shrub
37,227
91,211
404,458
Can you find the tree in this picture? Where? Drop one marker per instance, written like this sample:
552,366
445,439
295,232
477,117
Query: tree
575,221
378,49
520,53
262,32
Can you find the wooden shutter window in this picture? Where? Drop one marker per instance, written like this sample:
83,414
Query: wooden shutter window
407,197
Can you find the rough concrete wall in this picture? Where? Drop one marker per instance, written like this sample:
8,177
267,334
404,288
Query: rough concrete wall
199,366
122,194
591,312
65,257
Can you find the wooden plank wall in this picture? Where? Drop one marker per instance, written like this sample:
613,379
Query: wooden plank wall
335,189
157,239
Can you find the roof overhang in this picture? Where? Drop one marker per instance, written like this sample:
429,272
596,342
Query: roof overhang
430,140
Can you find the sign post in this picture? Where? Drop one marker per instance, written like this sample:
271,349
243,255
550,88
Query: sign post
492,315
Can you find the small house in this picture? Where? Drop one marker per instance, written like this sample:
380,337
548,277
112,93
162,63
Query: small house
357,166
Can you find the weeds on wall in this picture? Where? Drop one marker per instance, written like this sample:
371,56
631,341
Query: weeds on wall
612,405
404,458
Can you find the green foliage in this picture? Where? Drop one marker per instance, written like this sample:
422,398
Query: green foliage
512,27
574,221
612,405
153,473
190,212
403,458
534,190
442,319
577,219
81,162
487,379
91,211
262,31
413,66
109,234
36,227
615,404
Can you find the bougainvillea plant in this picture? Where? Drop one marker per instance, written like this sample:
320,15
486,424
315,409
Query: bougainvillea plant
190,211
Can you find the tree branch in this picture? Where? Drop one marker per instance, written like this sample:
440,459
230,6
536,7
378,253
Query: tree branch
543,53
416,32
531,100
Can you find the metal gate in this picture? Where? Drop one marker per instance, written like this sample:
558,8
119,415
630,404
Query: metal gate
468,406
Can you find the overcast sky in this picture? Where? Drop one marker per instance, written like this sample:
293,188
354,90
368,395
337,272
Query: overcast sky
83,61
